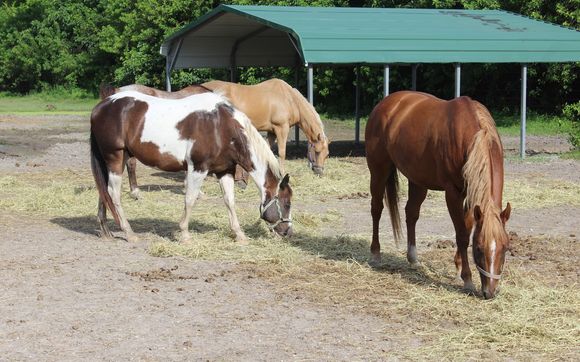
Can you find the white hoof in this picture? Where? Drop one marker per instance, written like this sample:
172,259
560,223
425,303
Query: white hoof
135,194
242,240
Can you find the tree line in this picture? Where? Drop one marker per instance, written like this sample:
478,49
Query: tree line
80,44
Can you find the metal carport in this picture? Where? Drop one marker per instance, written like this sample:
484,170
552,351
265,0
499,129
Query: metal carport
232,36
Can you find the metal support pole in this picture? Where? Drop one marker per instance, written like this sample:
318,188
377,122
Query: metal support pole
168,74
457,80
523,111
310,82
296,128
356,107
386,80
414,77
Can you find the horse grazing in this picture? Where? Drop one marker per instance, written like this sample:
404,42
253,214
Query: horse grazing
199,134
451,146
107,90
274,106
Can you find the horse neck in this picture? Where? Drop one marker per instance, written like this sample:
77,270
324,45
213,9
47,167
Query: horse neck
266,181
307,117
483,171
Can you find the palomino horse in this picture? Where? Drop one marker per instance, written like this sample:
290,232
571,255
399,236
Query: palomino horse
451,146
106,90
274,106
199,134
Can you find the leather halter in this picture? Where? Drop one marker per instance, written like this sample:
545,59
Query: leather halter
281,219
488,274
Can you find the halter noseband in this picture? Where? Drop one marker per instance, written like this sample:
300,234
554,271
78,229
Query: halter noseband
281,219
488,274
311,161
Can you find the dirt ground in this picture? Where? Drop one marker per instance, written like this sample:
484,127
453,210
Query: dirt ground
68,295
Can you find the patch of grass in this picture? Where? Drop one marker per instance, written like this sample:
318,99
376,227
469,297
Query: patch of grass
536,124
572,155
507,125
55,102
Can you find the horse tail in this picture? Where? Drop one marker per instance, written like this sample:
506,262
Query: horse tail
106,90
392,201
99,168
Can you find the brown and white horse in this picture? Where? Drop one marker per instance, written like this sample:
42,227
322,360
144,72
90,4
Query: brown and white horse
441,145
199,134
106,90
274,106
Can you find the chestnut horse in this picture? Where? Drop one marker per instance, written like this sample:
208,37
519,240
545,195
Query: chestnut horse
199,134
451,146
274,106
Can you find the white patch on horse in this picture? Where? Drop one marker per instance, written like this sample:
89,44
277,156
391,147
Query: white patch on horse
260,167
492,258
163,115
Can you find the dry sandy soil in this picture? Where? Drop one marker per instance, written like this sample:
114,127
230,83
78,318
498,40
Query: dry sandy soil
68,295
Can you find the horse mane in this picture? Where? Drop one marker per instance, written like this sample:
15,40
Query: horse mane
261,147
477,172
312,124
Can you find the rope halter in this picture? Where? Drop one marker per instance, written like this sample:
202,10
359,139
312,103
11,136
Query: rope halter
488,274
281,219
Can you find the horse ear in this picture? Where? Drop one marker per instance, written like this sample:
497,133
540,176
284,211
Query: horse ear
285,181
505,214
477,214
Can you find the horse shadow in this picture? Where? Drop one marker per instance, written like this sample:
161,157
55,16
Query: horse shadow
89,225
357,249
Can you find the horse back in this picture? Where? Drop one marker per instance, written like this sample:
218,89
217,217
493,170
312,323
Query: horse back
426,138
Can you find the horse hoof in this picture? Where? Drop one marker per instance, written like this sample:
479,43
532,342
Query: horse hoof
132,238
185,238
242,240
414,264
241,184
135,194
469,288
375,261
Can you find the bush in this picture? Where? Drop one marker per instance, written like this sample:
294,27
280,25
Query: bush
572,112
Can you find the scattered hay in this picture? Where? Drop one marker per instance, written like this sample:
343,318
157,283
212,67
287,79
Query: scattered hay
536,315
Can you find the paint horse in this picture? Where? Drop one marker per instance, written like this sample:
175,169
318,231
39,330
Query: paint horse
199,134
441,145
274,106
107,90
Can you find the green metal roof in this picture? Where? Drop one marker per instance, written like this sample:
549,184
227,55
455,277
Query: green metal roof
275,35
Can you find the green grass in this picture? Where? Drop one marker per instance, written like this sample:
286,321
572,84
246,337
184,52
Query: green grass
572,155
536,124
507,125
46,103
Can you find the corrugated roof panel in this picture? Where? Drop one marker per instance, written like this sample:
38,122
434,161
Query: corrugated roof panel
374,35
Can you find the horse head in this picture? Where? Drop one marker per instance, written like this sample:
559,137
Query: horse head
317,154
490,243
275,210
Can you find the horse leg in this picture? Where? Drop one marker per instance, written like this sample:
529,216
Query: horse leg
417,195
454,202
102,217
131,171
193,181
115,179
379,177
227,186
282,137
271,139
